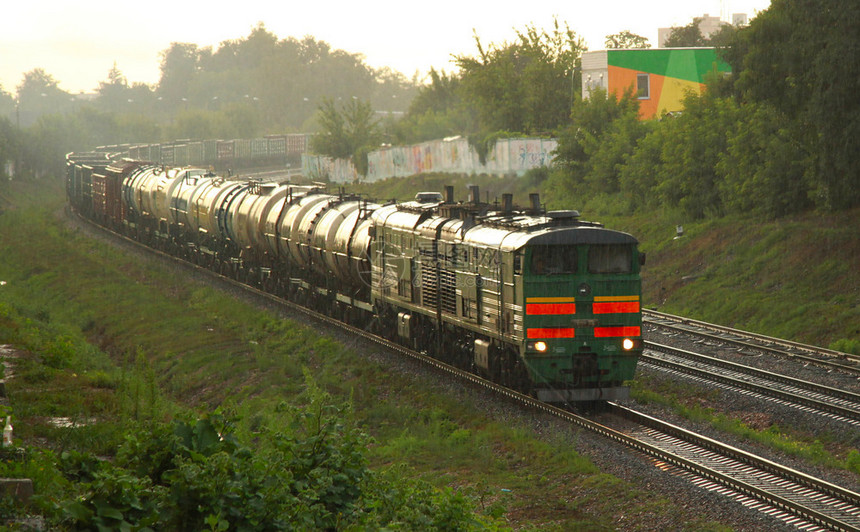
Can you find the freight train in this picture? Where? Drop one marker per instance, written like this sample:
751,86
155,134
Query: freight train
542,302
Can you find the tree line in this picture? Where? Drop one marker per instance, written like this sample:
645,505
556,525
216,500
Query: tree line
244,88
776,137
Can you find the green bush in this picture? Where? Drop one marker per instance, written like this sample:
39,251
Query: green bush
846,346
195,474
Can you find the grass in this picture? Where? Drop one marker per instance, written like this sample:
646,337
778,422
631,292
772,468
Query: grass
116,340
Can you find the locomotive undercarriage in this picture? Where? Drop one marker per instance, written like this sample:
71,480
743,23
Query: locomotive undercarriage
453,345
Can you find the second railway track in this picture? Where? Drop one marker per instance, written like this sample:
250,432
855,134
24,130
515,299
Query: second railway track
840,404
828,358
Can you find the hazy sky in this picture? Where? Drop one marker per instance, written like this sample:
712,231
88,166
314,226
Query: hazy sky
78,42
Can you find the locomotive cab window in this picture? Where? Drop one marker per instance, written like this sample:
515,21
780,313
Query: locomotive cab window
610,258
548,260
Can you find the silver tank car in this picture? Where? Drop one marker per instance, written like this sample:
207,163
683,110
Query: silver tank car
183,198
246,221
153,189
134,186
297,225
340,240
212,207
271,224
198,200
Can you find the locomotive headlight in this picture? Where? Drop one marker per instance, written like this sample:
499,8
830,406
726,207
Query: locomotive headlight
627,344
540,346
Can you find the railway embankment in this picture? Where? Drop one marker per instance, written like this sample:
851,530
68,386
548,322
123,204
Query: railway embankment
119,339
200,349
796,278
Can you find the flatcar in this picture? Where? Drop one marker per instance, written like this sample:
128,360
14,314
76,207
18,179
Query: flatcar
542,302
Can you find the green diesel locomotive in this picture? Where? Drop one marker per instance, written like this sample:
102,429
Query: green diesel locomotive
539,301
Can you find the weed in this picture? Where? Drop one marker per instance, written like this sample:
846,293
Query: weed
846,346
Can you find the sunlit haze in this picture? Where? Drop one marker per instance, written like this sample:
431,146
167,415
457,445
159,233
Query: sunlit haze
78,42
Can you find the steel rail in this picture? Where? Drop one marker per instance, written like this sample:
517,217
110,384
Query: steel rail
848,501
770,345
849,409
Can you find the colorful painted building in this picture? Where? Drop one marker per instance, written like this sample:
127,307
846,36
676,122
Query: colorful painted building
659,77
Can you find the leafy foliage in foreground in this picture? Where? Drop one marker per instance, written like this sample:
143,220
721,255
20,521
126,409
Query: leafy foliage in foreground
194,474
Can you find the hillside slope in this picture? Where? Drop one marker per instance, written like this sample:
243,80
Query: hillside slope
795,278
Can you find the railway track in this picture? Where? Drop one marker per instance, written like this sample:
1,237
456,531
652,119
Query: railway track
783,493
746,340
837,404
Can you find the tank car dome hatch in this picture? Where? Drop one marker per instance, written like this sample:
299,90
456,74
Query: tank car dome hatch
428,197
563,215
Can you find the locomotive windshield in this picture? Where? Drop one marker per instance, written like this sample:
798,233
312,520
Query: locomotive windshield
610,258
553,259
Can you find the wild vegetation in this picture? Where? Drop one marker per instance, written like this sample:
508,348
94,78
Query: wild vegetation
760,172
245,88
143,398
776,138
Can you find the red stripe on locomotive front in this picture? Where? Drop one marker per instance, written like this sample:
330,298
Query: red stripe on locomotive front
534,309
616,307
612,332
551,332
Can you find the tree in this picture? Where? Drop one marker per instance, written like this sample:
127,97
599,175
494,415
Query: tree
437,111
178,69
39,94
723,37
626,39
284,81
766,167
8,144
441,94
7,104
393,92
347,132
693,145
113,93
602,133
686,36
527,86
787,59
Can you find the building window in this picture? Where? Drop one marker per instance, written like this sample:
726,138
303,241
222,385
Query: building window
643,86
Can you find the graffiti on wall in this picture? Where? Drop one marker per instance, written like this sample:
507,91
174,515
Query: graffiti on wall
509,156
